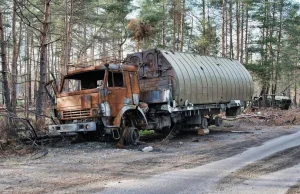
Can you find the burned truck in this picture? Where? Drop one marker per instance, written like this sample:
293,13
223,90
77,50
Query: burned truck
153,90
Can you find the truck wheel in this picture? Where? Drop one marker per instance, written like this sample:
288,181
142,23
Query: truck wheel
131,136
134,135
218,121
204,123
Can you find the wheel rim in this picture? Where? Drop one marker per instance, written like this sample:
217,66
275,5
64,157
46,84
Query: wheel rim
135,136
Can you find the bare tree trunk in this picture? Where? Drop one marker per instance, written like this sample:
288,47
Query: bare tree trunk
6,89
295,86
30,61
203,26
242,34
174,24
272,55
93,48
288,90
14,61
84,52
230,30
278,44
223,28
163,26
35,66
40,105
52,61
182,25
178,32
28,72
246,34
226,30
237,30
69,38
104,53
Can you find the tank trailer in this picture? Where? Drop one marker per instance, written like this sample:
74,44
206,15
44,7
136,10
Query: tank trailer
153,90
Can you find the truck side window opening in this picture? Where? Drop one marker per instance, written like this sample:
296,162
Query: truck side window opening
115,79
118,80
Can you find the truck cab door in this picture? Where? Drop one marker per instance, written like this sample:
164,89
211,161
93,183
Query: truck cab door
116,92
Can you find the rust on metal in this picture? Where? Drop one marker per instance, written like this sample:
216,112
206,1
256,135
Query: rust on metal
86,101
87,88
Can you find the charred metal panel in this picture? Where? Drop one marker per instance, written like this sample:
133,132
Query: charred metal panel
134,83
191,78
155,96
74,102
86,101
115,98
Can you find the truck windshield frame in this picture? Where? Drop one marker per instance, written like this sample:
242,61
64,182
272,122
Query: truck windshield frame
92,80
83,81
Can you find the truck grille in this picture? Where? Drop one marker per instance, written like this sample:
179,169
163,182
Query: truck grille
76,113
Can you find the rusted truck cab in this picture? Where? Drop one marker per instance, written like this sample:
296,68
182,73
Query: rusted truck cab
103,99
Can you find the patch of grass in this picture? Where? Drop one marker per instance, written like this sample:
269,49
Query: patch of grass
147,132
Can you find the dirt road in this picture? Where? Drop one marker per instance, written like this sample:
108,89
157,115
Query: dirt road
271,168
94,167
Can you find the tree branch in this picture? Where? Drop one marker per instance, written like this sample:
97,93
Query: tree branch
28,22
52,41
35,6
29,11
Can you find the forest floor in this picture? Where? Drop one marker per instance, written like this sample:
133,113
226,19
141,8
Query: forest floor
88,167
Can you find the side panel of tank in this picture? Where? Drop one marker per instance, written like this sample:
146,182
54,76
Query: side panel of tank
194,78
204,79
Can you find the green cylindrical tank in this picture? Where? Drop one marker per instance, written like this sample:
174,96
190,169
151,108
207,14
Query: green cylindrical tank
183,77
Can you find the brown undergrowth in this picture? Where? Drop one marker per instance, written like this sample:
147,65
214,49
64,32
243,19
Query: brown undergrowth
9,140
269,117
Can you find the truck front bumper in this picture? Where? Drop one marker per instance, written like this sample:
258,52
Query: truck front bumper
72,128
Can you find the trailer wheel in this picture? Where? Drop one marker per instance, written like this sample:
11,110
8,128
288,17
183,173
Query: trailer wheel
204,123
218,121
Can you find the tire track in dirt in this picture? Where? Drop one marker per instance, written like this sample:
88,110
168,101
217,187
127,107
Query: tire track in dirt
276,162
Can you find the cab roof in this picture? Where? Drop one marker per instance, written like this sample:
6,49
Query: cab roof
102,66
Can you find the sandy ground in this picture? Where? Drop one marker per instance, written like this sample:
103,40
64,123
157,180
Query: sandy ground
88,167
